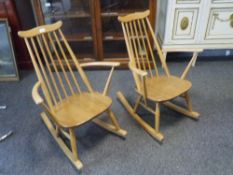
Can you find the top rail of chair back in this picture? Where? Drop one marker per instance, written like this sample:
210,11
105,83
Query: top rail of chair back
40,30
134,16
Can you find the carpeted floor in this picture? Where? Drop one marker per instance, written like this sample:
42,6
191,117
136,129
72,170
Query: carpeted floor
203,147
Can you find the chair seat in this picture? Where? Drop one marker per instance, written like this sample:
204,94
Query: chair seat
165,88
80,108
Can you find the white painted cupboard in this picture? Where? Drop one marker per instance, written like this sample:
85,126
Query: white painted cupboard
195,24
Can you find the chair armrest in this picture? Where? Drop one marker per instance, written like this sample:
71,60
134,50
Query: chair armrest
137,71
39,100
101,64
35,94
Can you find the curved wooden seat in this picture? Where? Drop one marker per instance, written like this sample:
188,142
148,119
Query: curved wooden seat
78,109
165,88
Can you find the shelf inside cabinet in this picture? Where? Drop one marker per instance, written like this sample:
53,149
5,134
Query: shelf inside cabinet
81,57
85,56
113,36
119,55
91,27
78,37
119,13
80,14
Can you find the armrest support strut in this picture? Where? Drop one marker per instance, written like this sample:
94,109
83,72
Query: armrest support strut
104,64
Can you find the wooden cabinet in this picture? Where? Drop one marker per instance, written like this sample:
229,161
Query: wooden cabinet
219,19
91,26
78,23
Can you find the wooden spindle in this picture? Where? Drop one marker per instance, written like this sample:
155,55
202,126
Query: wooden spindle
144,46
139,46
82,74
131,54
161,56
67,62
59,60
54,65
44,72
150,48
40,77
132,38
128,43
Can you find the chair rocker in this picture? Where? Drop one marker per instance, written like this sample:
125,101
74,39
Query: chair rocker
150,84
66,105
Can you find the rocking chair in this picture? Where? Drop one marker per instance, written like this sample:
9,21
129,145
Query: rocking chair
66,105
150,84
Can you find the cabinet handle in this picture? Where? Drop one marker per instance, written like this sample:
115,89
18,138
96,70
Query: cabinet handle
184,23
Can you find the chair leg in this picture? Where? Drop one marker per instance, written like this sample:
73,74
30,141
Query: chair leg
190,106
73,144
113,119
152,131
188,101
157,117
73,158
137,103
188,112
57,130
114,127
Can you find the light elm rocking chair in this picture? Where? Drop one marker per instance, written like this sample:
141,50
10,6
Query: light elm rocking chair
150,85
66,105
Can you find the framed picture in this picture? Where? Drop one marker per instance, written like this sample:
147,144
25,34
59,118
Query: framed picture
8,68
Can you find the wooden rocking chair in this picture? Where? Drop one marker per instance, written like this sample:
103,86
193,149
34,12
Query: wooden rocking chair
150,85
66,106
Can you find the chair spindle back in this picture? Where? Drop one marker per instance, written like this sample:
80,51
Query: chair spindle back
138,33
51,56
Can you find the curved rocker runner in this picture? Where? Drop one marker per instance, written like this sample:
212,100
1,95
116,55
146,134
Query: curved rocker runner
150,84
66,105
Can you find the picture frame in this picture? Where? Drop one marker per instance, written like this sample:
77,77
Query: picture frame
8,67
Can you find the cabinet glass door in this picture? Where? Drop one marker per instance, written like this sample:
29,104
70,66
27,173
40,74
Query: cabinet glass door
77,23
113,39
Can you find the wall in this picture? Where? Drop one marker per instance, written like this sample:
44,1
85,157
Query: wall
25,12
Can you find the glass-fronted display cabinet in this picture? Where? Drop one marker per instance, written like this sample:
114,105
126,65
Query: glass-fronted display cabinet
76,16
113,39
91,26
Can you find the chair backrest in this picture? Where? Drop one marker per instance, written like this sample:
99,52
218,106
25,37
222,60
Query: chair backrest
51,56
138,33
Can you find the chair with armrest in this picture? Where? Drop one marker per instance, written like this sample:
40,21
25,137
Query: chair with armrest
150,84
66,104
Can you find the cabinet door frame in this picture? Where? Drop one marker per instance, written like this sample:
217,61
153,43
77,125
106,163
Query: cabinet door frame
152,7
39,17
97,33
